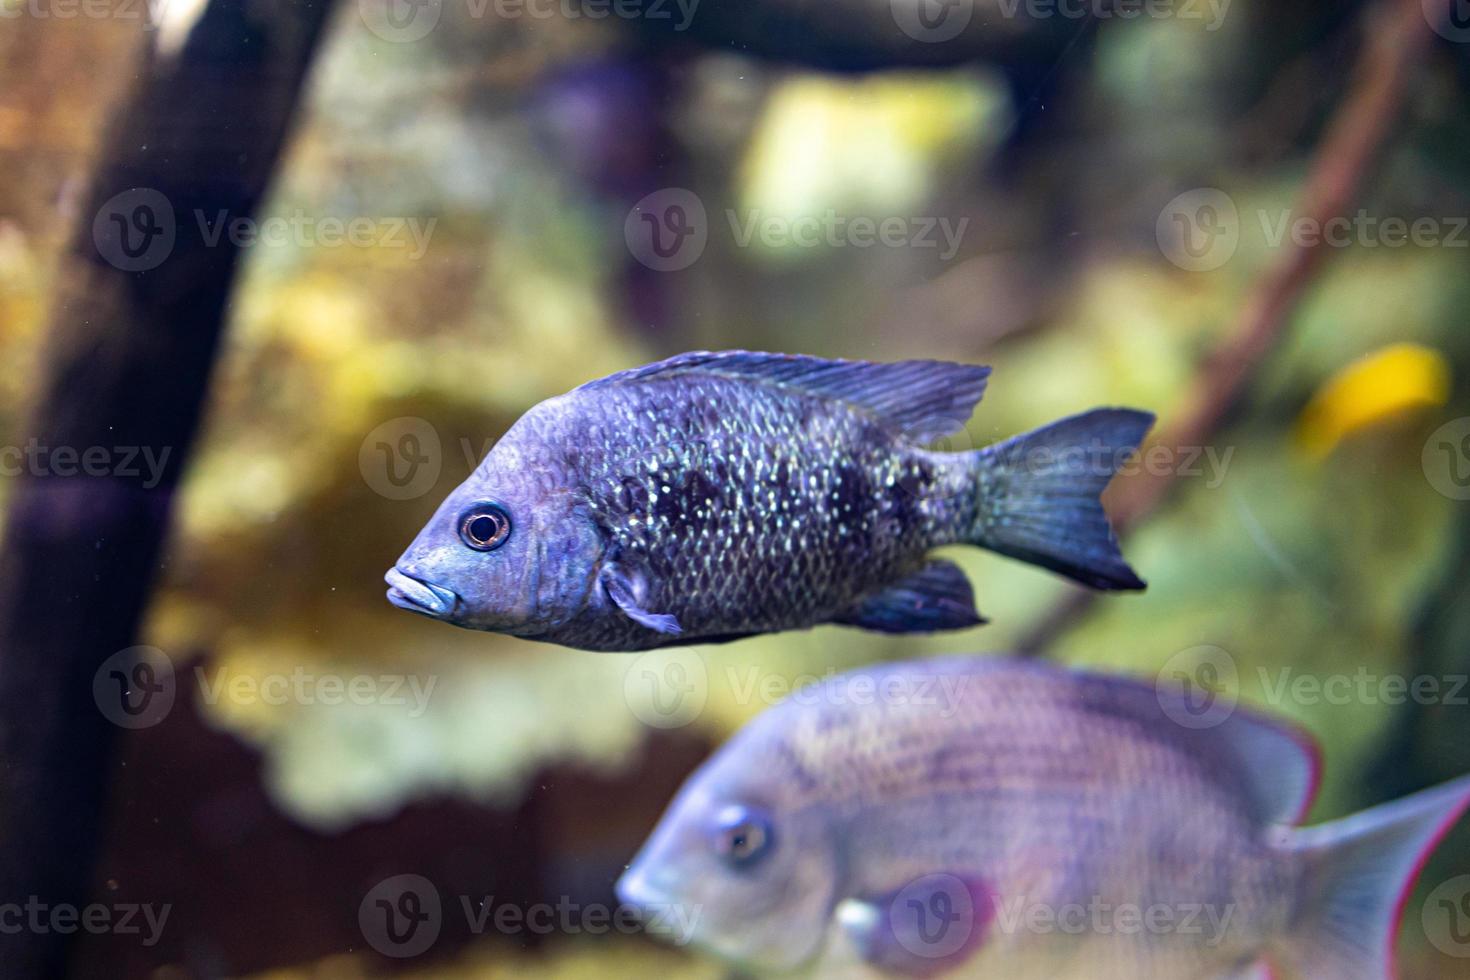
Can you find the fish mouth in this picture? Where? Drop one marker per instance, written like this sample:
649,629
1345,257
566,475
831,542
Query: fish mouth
416,595
634,892
658,911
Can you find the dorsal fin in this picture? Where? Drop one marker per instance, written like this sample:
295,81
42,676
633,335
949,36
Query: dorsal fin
1277,766
922,400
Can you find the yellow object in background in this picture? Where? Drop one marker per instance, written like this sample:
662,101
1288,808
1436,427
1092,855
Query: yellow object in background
867,147
1387,385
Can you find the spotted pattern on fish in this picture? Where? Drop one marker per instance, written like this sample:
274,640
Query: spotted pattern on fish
734,494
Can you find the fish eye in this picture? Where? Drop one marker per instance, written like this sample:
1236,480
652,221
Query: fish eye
743,836
484,527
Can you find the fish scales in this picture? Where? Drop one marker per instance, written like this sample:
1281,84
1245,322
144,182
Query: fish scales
1047,789
715,496
752,506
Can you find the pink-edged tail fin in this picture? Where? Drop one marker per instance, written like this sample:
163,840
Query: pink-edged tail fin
1357,876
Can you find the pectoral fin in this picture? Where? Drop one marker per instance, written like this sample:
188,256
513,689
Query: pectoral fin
929,926
936,597
628,589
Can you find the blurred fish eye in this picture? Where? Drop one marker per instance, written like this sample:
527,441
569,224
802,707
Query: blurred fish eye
484,527
743,836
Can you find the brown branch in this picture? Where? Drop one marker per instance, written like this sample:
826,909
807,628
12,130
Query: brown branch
1398,33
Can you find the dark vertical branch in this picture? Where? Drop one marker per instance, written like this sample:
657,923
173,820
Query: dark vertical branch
132,339
1397,35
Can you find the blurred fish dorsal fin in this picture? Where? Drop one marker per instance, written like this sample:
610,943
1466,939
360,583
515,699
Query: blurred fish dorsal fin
1280,765
923,400
1276,765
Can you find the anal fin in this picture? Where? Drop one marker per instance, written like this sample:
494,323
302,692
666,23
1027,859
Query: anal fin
936,597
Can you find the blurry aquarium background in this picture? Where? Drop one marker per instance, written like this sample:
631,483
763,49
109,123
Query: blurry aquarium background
1086,201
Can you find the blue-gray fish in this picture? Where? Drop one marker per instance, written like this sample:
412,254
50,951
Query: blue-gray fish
987,818
719,495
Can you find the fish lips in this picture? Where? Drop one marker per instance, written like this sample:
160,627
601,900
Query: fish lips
416,595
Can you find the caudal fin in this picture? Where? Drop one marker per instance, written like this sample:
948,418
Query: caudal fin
1358,875
1039,495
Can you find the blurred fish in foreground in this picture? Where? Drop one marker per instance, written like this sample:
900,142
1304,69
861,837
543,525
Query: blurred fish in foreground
987,818
714,496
